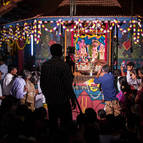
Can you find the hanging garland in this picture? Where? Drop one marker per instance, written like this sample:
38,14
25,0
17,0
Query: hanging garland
10,44
21,48
24,31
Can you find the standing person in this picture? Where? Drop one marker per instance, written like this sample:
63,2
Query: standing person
8,80
24,90
106,79
18,88
31,91
56,84
130,67
3,68
1,95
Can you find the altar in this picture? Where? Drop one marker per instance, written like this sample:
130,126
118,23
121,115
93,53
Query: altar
89,56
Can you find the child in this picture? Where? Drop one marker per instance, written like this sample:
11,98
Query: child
134,80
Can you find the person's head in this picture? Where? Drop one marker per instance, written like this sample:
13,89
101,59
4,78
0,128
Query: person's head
95,43
35,77
125,87
140,72
117,72
101,113
105,68
123,80
12,70
133,74
130,66
26,75
91,115
56,50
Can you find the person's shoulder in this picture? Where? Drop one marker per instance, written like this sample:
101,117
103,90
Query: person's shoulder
16,80
4,66
7,75
110,74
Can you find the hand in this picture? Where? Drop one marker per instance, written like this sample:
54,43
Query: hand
122,68
36,91
25,89
100,70
140,88
73,106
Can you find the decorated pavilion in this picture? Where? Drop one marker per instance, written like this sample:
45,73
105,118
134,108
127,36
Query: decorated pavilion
92,32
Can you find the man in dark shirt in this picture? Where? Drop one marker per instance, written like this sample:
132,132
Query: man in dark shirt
106,80
56,84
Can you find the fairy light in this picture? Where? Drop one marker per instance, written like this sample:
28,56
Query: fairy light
24,31
35,30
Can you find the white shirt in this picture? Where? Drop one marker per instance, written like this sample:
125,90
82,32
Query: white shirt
128,77
4,70
7,84
118,84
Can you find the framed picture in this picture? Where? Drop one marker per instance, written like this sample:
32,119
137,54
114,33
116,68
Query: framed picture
90,52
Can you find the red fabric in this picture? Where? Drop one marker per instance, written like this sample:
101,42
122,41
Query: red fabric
86,102
20,56
72,38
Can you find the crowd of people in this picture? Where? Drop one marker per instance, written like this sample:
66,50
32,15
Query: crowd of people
36,106
24,85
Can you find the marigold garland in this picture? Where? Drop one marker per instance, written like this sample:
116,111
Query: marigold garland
10,44
21,48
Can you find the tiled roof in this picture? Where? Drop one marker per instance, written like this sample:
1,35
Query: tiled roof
92,3
34,8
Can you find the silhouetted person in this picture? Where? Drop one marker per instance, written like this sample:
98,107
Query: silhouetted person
70,62
56,85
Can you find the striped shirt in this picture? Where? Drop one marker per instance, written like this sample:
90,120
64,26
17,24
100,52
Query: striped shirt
56,81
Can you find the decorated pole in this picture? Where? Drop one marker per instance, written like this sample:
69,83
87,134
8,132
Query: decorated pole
110,51
106,36
65,45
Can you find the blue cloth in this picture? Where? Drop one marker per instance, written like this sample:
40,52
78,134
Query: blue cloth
107,86
92,91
